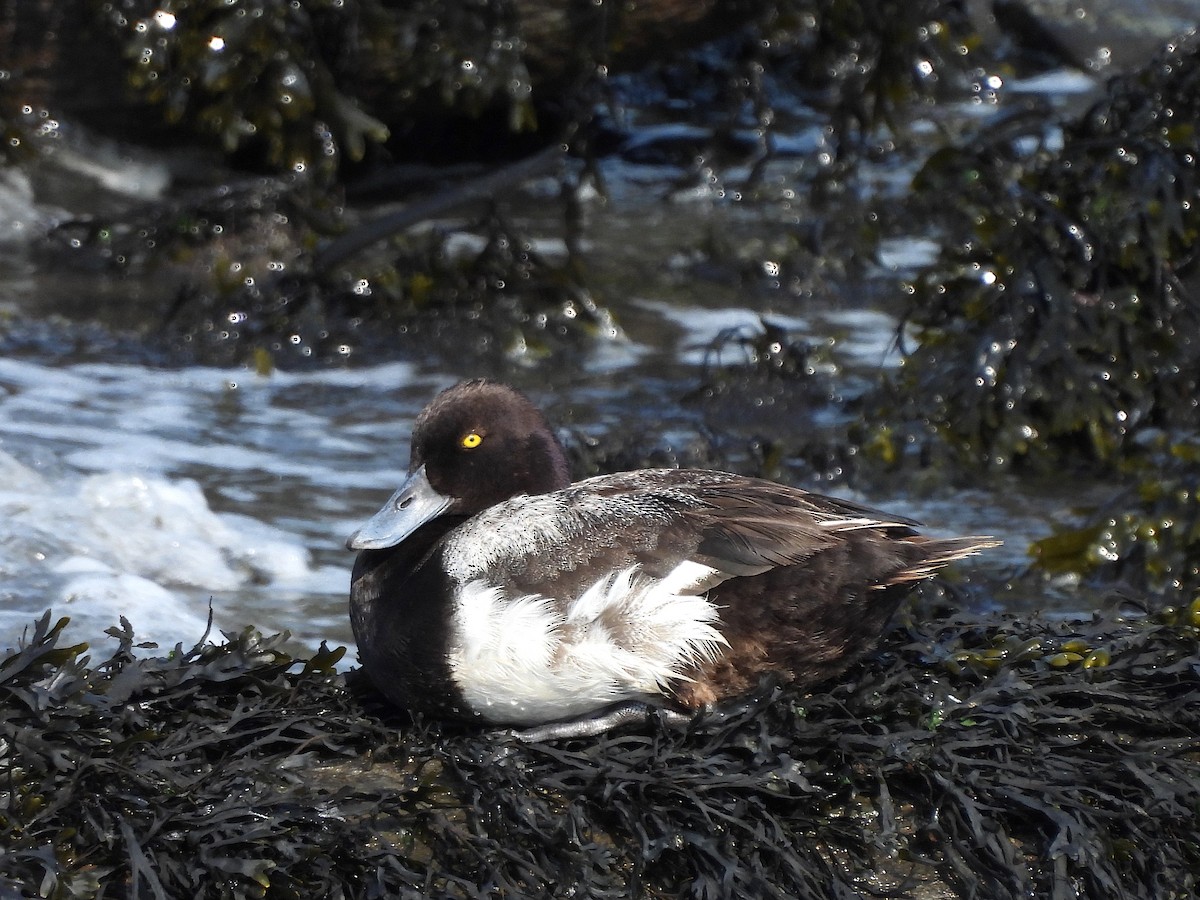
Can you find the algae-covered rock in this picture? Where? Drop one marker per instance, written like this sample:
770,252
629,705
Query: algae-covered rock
1061,325
965,759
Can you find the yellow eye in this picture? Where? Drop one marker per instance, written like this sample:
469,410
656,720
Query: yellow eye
470,441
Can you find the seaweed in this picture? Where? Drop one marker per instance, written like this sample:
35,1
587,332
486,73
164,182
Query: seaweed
290,83
979,757
307,86
1146,536
868,63
1059,333
274,270
1061,327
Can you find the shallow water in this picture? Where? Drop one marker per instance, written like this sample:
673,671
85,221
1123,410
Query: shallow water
132,490
148,493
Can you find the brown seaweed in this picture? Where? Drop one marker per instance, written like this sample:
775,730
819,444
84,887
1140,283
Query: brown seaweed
984,758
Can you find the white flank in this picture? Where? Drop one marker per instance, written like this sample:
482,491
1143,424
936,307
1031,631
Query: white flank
527,660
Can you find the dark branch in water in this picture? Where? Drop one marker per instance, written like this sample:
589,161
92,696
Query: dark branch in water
343,248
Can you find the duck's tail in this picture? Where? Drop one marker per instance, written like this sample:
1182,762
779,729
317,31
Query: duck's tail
936,552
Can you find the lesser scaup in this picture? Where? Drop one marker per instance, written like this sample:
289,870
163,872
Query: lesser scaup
489,586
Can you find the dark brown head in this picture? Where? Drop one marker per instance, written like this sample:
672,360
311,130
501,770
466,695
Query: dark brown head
483,442
475,445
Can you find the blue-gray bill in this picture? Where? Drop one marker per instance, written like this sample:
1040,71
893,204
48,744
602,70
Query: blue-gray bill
415,503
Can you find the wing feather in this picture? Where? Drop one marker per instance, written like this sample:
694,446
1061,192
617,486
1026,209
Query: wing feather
658,520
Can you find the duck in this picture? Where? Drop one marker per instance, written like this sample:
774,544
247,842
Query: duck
492,588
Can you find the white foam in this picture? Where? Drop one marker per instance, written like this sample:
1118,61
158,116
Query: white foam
144,492
96,599
150,548
157,528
